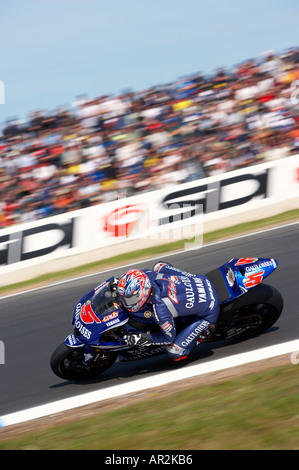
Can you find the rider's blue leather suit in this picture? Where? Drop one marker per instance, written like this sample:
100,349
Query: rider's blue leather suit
177,293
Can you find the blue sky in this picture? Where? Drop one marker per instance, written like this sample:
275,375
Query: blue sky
52,51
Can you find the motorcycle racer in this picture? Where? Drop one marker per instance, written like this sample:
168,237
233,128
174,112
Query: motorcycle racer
171,293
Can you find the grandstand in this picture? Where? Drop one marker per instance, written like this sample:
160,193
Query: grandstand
112,146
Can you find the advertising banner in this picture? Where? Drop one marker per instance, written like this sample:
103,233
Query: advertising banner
172,213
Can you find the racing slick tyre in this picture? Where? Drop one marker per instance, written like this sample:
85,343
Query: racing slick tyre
252,313
68,363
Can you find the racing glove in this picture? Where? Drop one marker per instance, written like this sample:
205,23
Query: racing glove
141,339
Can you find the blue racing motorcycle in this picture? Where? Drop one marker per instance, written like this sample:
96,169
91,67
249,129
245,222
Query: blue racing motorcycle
247,308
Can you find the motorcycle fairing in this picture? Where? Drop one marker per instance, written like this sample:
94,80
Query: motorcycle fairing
91,323
72,342
242,274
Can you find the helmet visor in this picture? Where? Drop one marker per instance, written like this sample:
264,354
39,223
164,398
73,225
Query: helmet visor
131,300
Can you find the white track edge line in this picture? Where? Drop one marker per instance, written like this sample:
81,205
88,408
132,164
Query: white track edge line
151,259
149,383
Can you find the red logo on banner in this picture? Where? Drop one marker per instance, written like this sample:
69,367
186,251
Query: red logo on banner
121,221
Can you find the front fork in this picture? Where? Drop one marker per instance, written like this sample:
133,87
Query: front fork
72,342
91,353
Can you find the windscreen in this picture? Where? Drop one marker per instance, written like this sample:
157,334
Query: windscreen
102,302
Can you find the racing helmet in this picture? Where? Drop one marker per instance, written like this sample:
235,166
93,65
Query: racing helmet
134,289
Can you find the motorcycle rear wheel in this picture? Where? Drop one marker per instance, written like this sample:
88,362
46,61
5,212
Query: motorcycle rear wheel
67,363
253,313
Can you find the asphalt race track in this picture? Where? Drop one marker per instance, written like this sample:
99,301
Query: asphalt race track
32,324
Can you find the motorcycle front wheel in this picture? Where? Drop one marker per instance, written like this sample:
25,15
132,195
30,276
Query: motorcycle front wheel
68,363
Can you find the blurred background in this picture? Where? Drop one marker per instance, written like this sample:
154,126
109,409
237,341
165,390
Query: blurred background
103,99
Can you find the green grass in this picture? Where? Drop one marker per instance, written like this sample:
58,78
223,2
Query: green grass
99,265
258,411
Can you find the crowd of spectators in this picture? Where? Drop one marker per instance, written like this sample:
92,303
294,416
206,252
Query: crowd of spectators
98,150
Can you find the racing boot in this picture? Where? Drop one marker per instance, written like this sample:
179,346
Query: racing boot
188,338
176,352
